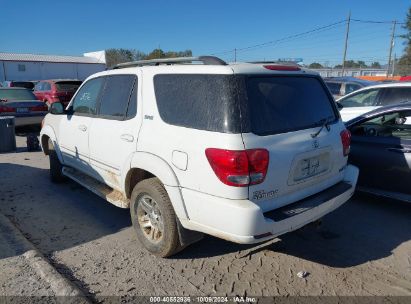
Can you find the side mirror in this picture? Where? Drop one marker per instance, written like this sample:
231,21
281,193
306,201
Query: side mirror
56,108
339,105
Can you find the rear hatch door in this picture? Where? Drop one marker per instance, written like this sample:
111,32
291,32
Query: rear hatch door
295,119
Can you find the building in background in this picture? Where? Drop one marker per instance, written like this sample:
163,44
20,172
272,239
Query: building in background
37,67
353,72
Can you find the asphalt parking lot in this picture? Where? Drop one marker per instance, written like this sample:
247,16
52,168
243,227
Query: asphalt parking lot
363,248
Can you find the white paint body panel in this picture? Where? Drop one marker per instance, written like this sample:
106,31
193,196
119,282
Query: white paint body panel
352,112
176,155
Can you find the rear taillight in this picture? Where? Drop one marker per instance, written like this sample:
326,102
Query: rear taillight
42,108
4,109
277,67
239,168
346,141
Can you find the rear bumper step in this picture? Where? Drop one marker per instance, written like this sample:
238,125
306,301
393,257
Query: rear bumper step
308,203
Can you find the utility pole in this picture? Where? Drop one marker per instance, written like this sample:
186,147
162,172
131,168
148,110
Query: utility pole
346,42
235,55
393,64
391,46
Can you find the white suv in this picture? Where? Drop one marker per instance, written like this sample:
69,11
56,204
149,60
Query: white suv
244,152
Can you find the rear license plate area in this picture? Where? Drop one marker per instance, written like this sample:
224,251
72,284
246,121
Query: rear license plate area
22,110
309,167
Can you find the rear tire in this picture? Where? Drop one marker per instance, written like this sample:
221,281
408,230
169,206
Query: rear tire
56,167
154,219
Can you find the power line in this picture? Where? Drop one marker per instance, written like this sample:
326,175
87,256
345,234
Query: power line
281,39
377,22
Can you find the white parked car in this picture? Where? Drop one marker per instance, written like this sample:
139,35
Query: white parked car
244,152
373,97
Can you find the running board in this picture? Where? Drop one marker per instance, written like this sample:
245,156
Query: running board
111,195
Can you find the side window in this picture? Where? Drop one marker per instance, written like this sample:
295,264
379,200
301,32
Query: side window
396,124
395,95
46,86
351,87
334,87
38,86
362,99
116,96
86,99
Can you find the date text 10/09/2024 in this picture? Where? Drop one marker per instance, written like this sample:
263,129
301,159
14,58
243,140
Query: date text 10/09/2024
203,299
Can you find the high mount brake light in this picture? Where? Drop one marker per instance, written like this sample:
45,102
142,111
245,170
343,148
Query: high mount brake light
346,141
239,168
276,67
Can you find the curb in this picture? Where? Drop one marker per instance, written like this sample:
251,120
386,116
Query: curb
59,284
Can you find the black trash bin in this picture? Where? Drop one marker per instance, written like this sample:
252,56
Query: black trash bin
7,134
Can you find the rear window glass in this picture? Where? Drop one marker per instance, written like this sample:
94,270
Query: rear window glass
205,102
284,104
23,84
334,87
68,86
16,94
395,95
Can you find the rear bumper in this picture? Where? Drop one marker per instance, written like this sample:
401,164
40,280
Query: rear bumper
242,221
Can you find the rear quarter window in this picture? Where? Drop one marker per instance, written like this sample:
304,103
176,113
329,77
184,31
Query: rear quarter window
199,101
395,95
280,104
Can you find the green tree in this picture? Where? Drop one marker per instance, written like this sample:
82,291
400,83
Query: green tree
376,65
116,56
404,63
315,65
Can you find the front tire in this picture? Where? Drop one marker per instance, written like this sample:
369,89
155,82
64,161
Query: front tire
56,167
154,219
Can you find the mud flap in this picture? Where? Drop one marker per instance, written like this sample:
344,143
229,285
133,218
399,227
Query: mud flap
188,237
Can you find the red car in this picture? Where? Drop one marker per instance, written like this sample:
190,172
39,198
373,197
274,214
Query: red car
55,90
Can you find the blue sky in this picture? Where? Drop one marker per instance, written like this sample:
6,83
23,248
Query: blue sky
206,27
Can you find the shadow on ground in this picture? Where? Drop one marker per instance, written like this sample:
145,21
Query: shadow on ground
56,217
364,229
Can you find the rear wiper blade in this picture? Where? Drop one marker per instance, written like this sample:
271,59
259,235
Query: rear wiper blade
323,123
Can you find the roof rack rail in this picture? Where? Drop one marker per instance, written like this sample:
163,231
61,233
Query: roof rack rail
207,60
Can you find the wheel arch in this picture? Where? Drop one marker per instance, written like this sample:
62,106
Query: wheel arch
47,133
145,165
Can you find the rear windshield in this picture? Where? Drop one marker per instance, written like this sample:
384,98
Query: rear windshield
239,103
283,104
13,94
23,84
70,86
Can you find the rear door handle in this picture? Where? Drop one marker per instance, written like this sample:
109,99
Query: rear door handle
399,150
82,128
127,137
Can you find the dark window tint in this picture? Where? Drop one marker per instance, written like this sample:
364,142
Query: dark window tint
114,100
351,87
334,87
395,95
23,84
205,102
67,86
132,104
86,99
39,86
17,94
283,104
